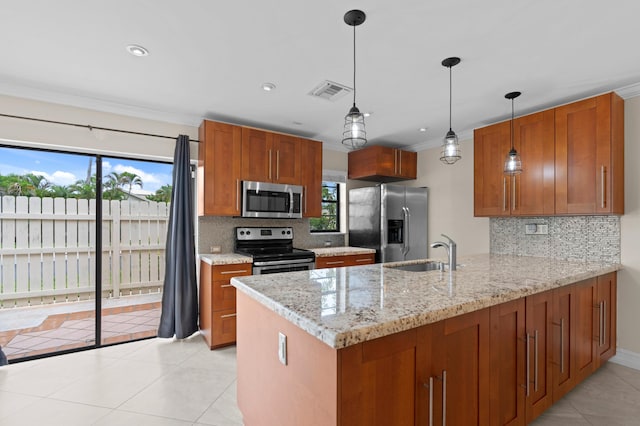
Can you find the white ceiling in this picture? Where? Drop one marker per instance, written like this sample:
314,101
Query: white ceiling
209,58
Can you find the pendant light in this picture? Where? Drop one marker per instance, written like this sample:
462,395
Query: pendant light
513,162
450,146
354,135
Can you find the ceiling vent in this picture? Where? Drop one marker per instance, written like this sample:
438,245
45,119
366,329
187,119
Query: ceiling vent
330,90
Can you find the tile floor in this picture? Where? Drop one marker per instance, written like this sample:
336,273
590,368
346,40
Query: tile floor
162,382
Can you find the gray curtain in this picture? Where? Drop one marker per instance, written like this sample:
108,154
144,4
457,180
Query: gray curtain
180,295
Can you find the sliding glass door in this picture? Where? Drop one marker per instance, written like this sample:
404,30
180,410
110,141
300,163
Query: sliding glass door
62,242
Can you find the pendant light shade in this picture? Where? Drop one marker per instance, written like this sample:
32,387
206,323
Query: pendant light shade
513,162
354,135
450,147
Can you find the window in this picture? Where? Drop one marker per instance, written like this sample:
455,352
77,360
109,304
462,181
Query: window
330,219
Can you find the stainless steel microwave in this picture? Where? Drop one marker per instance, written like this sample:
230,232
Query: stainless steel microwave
271,200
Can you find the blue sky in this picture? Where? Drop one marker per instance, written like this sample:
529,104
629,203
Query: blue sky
65,169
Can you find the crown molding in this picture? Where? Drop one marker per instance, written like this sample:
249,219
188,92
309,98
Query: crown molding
628,92
91,103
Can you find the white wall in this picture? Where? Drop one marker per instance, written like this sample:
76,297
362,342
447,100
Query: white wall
451,200
629,277
55,136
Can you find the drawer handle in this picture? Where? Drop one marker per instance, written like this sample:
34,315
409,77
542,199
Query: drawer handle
362,260
240,271
337,262
228,316
225,285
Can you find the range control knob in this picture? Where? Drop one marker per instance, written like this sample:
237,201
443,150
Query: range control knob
248,232
288,232
241,232
283,232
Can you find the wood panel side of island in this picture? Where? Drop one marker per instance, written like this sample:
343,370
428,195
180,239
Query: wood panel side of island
303,392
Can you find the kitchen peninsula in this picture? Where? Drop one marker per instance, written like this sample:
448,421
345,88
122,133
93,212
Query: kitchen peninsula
496,341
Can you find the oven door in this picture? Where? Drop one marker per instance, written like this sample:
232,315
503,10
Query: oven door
274,267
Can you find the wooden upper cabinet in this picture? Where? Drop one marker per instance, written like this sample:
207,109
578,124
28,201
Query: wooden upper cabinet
270,157
492,189
311,162
572,162
529,193
590,156
219,159
382,164
533,191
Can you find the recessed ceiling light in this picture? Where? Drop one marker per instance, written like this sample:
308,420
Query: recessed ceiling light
137,50
368,114
422,129
267,87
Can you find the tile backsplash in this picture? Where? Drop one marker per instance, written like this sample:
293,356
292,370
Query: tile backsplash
218,231
572,237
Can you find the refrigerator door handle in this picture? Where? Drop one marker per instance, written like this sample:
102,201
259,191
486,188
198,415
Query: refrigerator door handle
407,243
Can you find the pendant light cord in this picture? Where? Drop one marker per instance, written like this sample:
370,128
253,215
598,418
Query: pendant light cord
450,96
354,65
512,115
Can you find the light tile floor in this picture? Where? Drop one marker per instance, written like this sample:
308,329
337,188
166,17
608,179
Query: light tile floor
163,382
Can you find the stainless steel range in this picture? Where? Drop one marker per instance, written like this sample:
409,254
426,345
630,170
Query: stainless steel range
272,250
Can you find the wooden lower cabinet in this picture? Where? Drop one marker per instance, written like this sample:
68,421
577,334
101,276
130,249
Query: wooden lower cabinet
218,302
521,350
502,365
345,260
607,295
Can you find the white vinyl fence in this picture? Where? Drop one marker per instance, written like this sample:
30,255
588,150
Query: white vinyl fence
48,249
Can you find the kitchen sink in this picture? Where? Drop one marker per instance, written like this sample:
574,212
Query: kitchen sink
419,267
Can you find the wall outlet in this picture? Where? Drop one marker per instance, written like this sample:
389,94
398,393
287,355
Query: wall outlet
215,249
282,348
536,229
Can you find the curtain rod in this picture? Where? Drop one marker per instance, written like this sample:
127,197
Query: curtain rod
90,127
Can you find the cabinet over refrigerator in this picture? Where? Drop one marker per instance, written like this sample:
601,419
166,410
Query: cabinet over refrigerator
391,219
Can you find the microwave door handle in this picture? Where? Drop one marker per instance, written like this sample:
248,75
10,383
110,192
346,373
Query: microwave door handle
291,202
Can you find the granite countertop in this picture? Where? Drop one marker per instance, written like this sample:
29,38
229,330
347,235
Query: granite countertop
345,306
225,258
340,251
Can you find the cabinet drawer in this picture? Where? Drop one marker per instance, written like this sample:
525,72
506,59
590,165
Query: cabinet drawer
223,295
226,272
345,260
223,328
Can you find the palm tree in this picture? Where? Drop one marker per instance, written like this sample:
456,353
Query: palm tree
162,195
82,189
120,180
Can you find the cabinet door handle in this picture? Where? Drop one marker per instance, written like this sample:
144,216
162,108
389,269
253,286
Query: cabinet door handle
602,187
278,165
304,196
535,361
513,193
528,362
504,193
395,161
604,322
238,194
430,386
269,164
444,397
562,345
239,271
228,316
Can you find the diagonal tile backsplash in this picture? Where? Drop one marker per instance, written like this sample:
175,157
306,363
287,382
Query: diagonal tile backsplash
570,237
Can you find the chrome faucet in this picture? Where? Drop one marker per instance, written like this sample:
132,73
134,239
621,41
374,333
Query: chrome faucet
451,251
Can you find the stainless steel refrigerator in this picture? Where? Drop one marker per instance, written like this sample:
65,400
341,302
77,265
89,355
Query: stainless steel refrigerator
391,219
